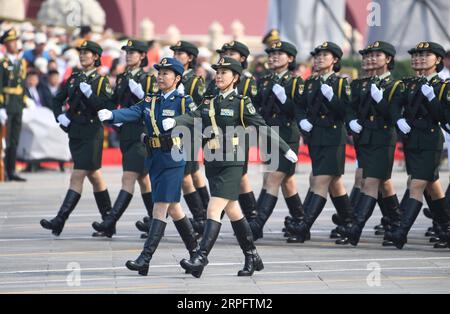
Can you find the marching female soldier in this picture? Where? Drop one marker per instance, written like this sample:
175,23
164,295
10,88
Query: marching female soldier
275,102
195,191
165,170
324,106
131,88
246,87
225,163
373,121
86,92
420,124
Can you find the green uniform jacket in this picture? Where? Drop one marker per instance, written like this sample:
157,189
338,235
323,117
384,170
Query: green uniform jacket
444,95
12,85
247,87
235,110
378,120
328,119
194,86
83,111
273,111
425,122
125,98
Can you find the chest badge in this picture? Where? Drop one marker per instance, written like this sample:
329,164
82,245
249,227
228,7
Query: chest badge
227,112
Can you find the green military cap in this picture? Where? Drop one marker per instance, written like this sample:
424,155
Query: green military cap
284,47
185,47
136,45
382,46
363,52
9,35
412,51
228,63
91,46
431,47
236,46
271,36
328,46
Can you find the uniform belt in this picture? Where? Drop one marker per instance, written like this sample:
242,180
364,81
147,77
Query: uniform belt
164,142
374,123
214,143
18,90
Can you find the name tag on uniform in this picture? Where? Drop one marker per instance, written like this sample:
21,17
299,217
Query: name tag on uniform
227,112
168,113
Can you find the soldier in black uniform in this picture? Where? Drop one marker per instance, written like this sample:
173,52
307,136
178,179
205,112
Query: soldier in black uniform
224,162
372,121
86,92
13,71
130,89
423,114
195,191
246,87
275,102
323,110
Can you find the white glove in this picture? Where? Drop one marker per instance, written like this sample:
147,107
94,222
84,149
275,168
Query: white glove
181,89
403,126
305,125
279,91
168,124
63,120
377,94
136,89
86,89
327,91
291,156
3,116
355,126
105,115
143,136
428,92
118,125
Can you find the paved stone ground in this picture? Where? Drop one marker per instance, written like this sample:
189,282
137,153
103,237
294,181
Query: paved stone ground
33,261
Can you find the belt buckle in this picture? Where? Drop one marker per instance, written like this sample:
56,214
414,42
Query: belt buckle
155,142
213,143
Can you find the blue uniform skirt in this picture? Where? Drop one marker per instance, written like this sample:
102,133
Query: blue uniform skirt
166,184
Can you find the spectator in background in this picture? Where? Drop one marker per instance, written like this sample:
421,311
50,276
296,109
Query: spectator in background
53,82
40,40
37,92
302,70
445,73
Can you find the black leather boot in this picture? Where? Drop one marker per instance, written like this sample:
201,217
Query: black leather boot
142,263
260,197
195,205
56,225
394,214
289,219
204,195
108,226
265,210
344,214
10,165
354,196
301,231
144,225
363,212
441,219
245,238
198,262
247,202
380,229
104,207
399,236
188,235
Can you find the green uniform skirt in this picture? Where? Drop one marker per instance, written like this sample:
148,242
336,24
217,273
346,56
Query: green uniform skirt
224,182
133,157
327,160
376,161
86,153
423,164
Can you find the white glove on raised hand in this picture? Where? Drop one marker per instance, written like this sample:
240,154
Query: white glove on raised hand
428,92
355,126
181,89
305,125
105,115
63,120
377,94
403,126
86,89
291,156
279,91
136,89
168,124
3,116
327,91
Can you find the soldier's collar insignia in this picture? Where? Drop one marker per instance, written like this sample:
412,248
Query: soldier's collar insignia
148,99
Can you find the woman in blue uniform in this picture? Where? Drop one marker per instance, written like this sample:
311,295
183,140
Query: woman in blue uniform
224,162
166,172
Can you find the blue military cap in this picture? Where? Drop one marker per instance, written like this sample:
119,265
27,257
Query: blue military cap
171,64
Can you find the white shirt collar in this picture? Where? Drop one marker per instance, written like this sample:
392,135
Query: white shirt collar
168,94
385,75
88,73
326,76
282,74
430,77
225,95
